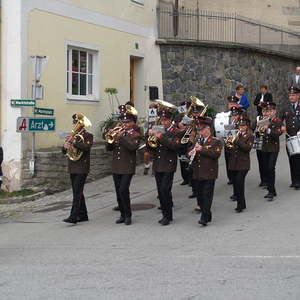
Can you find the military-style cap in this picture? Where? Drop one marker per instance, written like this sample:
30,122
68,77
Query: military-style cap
233,99
268,105
186,103
294,90
244,121
235,111
127,113
203,122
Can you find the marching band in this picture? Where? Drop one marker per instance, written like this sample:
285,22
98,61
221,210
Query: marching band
197,140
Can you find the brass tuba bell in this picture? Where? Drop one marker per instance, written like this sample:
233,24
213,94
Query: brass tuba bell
73,153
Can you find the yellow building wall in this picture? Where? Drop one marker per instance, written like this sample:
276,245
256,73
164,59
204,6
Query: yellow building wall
47,35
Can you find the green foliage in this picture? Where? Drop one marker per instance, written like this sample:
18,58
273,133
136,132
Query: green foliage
211,112
22,193
108,123
111,91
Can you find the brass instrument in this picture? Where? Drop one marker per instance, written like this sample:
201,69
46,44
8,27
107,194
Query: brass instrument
110,136
152,140
195,102
231,139
73,153
260,127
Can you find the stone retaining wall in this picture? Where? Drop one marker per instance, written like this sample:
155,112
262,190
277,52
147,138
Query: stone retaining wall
211,72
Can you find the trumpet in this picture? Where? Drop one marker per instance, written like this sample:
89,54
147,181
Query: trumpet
231,139
110,136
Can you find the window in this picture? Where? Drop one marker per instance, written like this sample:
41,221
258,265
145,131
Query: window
139,1
81,74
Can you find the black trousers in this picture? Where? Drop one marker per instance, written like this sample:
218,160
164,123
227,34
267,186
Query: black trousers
269,165
229,172
294,161
205,194
78,207
262,174
164,182
184,168
122,184
238,180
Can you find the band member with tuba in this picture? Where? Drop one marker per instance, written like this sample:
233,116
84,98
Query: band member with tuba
204,154
270,146
239,160
164,144
77,148
124,142
291,115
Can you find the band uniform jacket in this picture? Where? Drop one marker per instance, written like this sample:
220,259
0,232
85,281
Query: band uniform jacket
81,166
240,155
124,152
165,155
205,163
291,117
271,136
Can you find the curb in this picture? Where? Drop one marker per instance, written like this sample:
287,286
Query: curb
29,198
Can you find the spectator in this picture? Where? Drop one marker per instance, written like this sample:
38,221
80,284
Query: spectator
295,78
262,97
240,94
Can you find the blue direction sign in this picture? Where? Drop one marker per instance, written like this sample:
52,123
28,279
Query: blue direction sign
35,124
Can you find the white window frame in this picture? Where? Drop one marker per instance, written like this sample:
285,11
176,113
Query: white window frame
90,49
139,2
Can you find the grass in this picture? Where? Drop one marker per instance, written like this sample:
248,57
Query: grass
22,193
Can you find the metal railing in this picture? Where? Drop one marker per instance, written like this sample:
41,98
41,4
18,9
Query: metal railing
200,25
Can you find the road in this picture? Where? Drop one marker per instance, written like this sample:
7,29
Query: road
252,255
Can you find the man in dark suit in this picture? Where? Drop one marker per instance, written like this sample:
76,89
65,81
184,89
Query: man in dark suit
78,170
295,78
261,97
124,149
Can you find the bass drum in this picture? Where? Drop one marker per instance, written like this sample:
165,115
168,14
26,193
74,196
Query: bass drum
293,145
221,120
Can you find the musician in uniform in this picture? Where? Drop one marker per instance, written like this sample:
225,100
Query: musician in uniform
291,115
204,156
239,161
165,160
270,147
78,170
235,113
124,147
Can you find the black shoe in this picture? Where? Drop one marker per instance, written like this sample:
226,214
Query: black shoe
193,196
116,208
229,182
203,223
238,210
160,220
233,198
128,221
165,221
120,220
82,219
292,185
184,182
270,195
70,220
297,186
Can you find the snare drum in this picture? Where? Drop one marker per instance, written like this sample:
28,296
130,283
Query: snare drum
220,121
293,145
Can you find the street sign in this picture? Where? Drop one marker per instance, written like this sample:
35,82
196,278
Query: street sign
152,114
43,111
35,124
181,109
22,102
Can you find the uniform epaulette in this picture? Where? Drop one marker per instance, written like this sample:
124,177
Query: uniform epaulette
276,120
134,132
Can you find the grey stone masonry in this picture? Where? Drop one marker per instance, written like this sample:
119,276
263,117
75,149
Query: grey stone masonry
212,72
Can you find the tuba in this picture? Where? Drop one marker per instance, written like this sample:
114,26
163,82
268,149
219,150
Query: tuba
194,102
152,140
73,153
